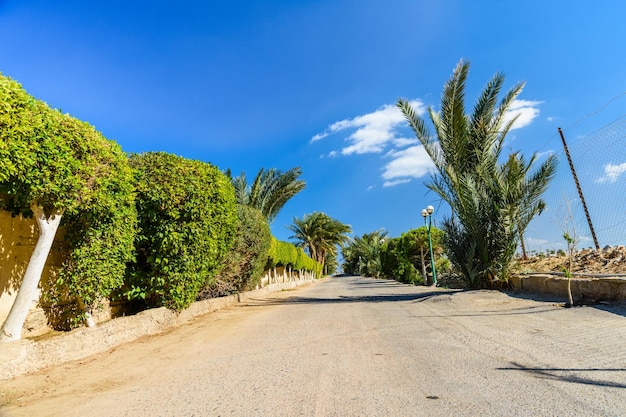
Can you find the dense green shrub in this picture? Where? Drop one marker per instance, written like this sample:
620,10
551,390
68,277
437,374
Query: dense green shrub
282,253
402,258
187,223
58,169
396,264
243,267
98,238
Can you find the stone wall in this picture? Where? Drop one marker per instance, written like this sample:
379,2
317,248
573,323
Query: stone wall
281,274
584,289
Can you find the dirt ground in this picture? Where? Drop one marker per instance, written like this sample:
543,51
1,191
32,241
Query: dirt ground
606,261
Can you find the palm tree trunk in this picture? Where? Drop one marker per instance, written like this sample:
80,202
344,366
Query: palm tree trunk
521,239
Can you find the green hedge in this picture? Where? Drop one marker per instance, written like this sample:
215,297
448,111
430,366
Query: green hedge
187,223
286,254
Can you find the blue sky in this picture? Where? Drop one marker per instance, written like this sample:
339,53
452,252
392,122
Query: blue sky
278,84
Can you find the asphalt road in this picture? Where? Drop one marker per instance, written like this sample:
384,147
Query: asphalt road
351,346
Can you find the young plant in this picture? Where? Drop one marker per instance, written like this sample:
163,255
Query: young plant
568,271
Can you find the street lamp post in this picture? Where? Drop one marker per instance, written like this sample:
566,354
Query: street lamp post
428,213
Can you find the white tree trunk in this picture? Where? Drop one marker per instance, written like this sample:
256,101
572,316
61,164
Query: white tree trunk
12,328
89,321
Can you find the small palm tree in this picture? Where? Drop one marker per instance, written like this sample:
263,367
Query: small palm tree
319,234
362,254
492,202
269,191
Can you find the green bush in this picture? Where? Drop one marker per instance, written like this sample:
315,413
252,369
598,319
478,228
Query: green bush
401,258
187,223
98,239
244,265
54,163
396,261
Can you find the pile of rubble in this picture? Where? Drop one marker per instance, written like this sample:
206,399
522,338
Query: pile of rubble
609,260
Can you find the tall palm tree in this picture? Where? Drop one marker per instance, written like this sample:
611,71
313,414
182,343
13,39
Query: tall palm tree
319,234
269,191
492,202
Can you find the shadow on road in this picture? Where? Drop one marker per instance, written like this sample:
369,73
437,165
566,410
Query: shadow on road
436,296
383,298
563,374
615,307
508,312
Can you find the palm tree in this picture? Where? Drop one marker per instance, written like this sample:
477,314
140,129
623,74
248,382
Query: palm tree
269,191
492,202
319,234
362,254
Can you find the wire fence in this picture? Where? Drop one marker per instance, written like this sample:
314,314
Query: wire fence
599,159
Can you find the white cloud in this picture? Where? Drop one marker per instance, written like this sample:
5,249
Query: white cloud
540,244
395,182
407,164
402,142
525,110
377,132
540,155
612,172
319,136
374,131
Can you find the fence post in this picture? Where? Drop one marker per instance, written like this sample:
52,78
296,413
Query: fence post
580,191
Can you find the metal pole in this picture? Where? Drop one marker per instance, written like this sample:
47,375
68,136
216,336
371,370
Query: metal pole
580,191
422,253
430,246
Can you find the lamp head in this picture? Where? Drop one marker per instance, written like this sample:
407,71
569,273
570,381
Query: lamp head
430,209
424,213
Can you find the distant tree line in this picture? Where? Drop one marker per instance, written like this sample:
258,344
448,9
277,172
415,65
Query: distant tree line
405,258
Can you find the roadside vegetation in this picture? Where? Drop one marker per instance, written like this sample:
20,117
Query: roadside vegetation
61,171
269,191
405,258
148,230
493,197
155,229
